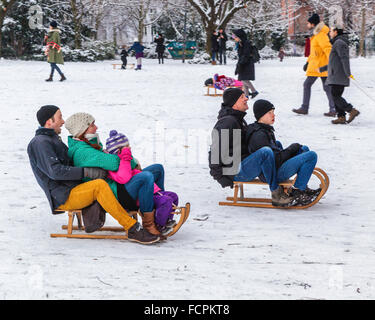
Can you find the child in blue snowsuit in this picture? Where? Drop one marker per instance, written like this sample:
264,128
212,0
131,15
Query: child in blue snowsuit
138,49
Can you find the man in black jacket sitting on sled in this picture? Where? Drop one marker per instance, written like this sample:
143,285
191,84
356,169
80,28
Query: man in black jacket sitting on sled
229,157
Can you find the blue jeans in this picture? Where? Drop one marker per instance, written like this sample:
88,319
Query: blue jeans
141,186
261,161
214,55
302,164
55,67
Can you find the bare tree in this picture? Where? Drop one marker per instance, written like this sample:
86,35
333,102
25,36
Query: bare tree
142,13
217,14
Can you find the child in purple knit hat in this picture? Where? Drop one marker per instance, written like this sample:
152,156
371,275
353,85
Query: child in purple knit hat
164,201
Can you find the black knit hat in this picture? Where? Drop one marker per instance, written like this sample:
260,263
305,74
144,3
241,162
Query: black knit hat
314,19
261,107
45,113
53,24
208,82
231,95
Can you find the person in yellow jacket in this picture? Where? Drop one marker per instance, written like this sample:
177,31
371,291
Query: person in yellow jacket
319,56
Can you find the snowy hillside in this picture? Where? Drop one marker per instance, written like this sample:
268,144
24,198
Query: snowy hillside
324,252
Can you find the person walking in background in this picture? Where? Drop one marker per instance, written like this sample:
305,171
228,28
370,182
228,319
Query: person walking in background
245,65
281,54
339,75
160,47
320,48
138,49
222,46
307,46
214,46
124,55
53,52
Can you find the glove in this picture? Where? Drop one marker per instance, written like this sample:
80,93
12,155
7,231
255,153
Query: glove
305,66
293,149
94,173
225,182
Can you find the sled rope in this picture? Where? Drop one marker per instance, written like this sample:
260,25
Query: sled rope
361,89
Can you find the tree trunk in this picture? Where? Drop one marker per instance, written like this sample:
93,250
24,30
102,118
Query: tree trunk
140,30
362,51
77,25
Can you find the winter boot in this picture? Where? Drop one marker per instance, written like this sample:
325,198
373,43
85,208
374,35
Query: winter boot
254,94
137,234
300,198
330,114
62,78
313,193
213,63
164,230
280,198
301,111
339,120
353,114
50,78
148,222
171,223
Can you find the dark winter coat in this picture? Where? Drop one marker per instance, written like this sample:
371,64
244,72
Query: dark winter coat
52,167
231,119
214,43
259,135
124,54
245,65
338,65
160,47
223,41
138,49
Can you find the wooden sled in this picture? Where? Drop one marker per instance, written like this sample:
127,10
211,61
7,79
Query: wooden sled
216,93
241,201
128,66
183,213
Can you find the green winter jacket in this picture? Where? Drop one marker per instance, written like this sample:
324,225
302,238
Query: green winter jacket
54,44
83,155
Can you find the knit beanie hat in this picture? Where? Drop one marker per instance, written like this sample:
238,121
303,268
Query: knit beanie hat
116,141
53,24
78,123
45,113
208,82
261,107
314,19
231,95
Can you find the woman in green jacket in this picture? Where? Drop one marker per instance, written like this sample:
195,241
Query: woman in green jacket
53,51
86,150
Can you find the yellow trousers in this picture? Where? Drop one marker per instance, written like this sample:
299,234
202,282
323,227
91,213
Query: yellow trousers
86,193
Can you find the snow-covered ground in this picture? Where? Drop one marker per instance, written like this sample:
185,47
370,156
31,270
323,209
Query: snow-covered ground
324,252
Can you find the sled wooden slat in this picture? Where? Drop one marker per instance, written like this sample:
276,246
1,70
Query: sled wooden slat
128,66
183,212
216,94
241,201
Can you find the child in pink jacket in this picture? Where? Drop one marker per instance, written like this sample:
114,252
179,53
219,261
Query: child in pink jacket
164,201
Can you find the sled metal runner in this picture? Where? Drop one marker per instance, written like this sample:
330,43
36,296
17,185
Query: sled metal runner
182,212
239,200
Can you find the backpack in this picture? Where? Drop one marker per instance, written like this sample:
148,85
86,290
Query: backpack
93,217
255,53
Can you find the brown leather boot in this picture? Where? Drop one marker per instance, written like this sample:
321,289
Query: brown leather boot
352,114
50,78
339,120
148,223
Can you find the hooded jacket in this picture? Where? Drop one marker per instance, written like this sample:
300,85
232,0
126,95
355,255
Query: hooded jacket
229,119
320,49
52,167
53,43
339,65
245,65
259,135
